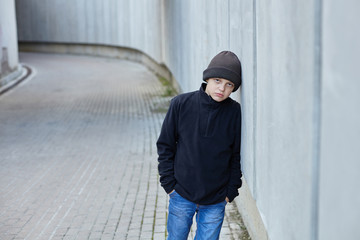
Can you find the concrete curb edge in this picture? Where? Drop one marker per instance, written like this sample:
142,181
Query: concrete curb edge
112,51
23,72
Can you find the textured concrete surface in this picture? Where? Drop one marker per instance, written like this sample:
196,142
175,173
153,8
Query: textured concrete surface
135,24
340,128
78,155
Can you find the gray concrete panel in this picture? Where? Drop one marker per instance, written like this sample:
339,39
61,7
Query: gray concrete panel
134,24
339,212
284,122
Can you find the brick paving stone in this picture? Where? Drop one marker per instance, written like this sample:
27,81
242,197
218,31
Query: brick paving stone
78,154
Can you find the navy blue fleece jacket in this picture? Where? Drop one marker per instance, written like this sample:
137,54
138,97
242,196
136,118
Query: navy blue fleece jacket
199,148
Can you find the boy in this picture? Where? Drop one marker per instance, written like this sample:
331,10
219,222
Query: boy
199,151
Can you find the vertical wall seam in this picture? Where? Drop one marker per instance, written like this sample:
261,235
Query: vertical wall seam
162,31
316,121
254,97
229,26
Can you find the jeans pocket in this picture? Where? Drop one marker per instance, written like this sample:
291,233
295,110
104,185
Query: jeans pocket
172,194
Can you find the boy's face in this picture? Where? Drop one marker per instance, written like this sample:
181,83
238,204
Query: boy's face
219,89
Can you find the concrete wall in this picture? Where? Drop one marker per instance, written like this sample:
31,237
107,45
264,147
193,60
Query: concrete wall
195,31
135,24
276,42
8,43
299,94
339,197
286,121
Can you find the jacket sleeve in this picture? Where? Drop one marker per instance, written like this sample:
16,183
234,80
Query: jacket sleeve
235,166
166,148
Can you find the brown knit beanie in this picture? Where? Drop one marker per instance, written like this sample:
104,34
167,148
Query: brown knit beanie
225,65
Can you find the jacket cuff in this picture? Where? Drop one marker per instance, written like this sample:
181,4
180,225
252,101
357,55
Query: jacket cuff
231,194
169,188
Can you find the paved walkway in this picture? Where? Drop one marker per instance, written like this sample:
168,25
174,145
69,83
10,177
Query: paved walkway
78,154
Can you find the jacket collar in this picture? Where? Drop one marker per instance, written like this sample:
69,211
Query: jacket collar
207,99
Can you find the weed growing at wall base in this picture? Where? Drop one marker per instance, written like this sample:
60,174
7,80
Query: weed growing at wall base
169,90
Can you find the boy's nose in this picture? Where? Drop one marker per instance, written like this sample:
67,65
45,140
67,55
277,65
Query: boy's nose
222,87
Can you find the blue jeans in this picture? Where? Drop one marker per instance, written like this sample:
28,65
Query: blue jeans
209,219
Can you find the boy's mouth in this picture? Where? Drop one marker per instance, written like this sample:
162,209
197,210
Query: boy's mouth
219,95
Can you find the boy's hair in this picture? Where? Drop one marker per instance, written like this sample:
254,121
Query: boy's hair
225,65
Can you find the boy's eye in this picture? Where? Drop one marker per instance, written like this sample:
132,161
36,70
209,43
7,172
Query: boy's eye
230,85
217,80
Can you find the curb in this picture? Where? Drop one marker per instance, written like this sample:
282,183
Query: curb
25,72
